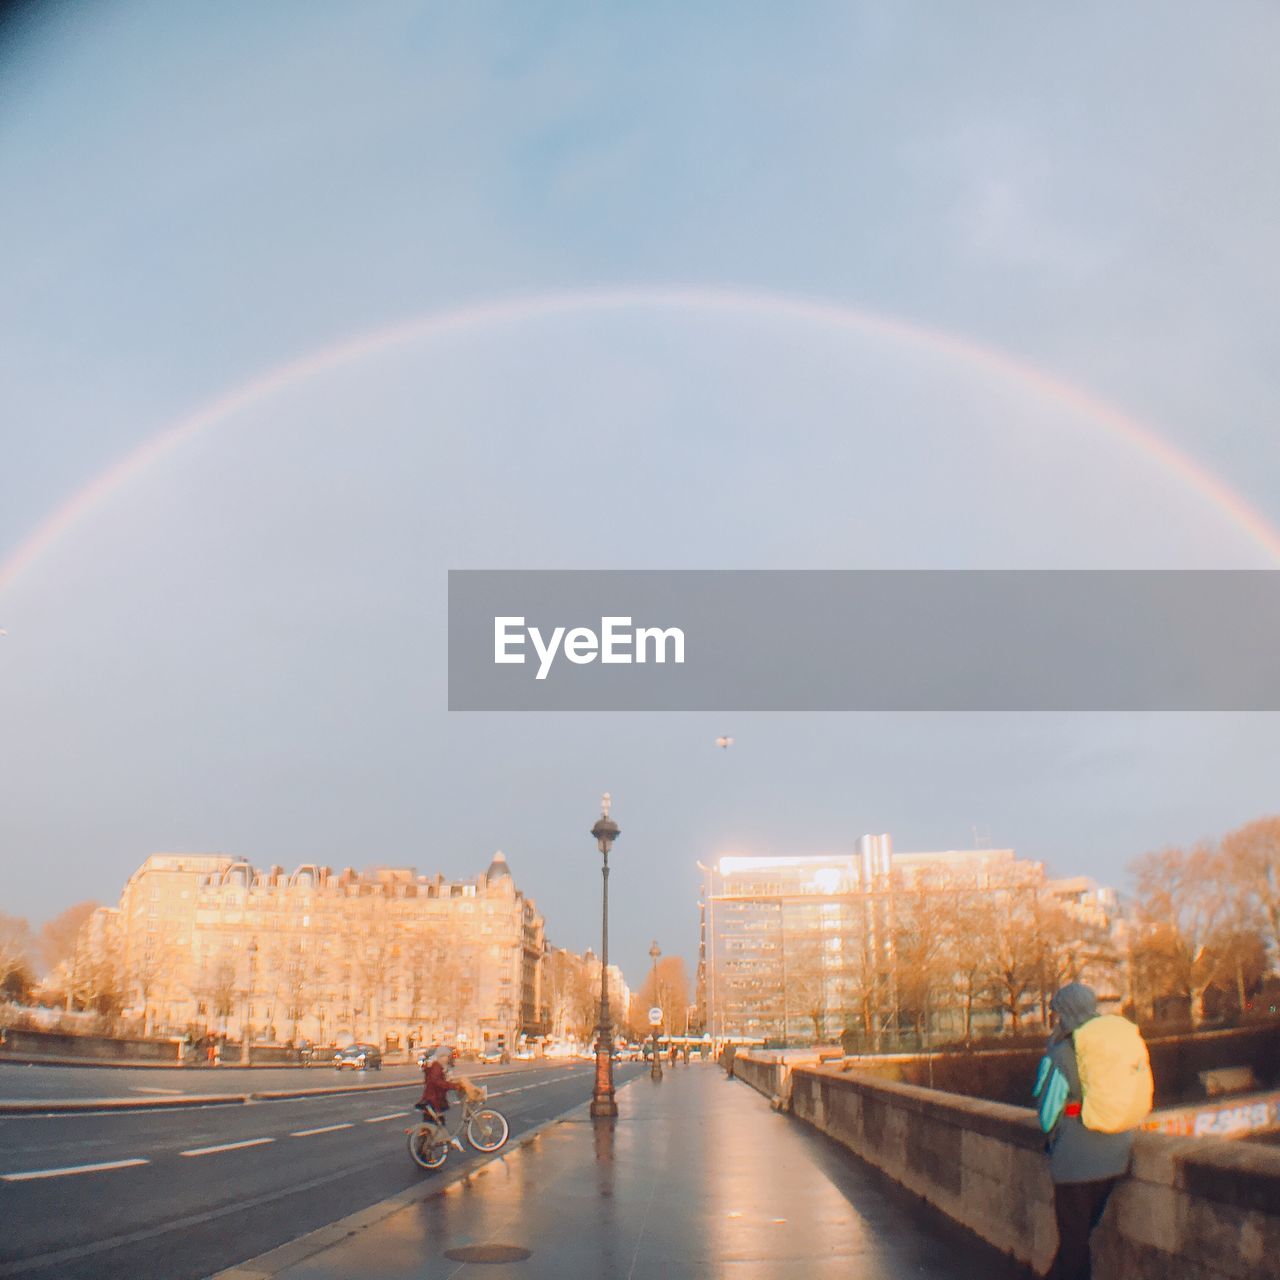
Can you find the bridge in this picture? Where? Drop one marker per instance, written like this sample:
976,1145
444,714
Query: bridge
772,1172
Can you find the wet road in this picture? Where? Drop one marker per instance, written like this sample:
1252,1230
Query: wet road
17,1080
182,1193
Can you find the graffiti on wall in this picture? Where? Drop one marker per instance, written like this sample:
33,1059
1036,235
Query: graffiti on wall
1257,1113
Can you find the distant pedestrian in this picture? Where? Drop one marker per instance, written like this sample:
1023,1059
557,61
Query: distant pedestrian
1093,1088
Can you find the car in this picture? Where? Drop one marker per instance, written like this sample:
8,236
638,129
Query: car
424,1054
359,1057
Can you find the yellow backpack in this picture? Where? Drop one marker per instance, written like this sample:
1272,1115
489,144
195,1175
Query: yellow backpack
1115,1074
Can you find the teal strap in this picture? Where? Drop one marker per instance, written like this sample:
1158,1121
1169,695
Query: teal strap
1052,1091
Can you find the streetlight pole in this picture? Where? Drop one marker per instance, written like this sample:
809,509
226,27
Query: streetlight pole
603,1104
655,1070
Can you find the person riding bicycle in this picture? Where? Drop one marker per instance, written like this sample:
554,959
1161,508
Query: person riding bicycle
435,1090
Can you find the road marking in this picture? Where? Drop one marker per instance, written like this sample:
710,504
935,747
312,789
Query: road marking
391,1115
226,1146
143,1089
329,1128
69,1169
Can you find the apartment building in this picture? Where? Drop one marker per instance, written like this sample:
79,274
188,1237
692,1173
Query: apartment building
210,943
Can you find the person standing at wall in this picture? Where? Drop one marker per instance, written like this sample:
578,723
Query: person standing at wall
1093,1088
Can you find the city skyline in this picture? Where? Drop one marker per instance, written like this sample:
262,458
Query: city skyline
886,289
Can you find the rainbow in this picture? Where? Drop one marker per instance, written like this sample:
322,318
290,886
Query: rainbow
1193,476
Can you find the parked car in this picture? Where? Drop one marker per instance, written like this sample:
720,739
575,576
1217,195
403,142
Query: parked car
359,1057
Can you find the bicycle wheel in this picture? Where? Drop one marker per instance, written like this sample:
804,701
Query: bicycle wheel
426,1153
487,1130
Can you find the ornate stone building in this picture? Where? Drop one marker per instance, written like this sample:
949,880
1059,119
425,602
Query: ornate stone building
209,943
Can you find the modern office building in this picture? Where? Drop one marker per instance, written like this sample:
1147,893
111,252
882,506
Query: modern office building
894,949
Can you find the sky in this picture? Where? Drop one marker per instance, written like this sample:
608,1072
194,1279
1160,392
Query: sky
306,304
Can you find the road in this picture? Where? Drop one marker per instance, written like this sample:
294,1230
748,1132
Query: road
184,1192
17,1080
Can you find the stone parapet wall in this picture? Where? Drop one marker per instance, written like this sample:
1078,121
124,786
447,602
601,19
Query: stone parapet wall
1206,1209
17,1042
980,1162
1005,1075
762,1074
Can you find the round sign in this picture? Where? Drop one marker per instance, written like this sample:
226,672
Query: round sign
655,1016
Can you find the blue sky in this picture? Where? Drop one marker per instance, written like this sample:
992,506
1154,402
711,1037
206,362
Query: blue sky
241,648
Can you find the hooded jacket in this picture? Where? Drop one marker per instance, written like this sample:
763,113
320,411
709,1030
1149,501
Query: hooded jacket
1076,1154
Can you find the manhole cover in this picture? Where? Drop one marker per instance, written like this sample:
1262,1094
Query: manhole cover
488,1253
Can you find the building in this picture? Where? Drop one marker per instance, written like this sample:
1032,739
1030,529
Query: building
571,995
208,943
893,950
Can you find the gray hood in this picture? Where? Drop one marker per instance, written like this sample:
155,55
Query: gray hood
1075,1004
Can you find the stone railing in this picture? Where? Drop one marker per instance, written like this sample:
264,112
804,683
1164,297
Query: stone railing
1202,1208
17,1042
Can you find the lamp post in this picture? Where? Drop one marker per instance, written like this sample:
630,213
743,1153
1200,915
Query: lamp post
603,1104
655,1070
246,1026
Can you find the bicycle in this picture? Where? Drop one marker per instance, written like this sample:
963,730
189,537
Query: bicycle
486,1130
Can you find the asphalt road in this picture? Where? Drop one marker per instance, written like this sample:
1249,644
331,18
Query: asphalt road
189,1191
45,1083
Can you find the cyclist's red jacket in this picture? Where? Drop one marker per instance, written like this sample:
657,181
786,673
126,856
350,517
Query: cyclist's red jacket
435,1087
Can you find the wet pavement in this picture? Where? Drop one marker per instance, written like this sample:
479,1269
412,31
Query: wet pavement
697,1177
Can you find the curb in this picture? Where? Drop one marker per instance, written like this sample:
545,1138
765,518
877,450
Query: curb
65,1106
51,1060
266,1266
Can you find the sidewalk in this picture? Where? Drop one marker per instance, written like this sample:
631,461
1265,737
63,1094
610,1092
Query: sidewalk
697,1177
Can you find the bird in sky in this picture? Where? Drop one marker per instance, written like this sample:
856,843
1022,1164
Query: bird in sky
724,742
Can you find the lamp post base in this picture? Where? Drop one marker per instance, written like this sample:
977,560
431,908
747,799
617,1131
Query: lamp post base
603,1105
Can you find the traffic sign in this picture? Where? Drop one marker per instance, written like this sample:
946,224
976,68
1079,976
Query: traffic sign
655,1016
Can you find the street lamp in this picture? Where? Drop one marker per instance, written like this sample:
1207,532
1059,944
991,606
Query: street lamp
246,1027
603,1104
655,1071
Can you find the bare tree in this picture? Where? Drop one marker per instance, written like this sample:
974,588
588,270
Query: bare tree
968,920
16,946
1182,904
1055,947
58,936
217,985
670,993
1251,864
1011,965
149,973
920,947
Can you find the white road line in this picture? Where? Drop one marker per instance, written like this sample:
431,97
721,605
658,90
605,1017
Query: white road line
69,1169
391,1115
329,1128
226,1146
